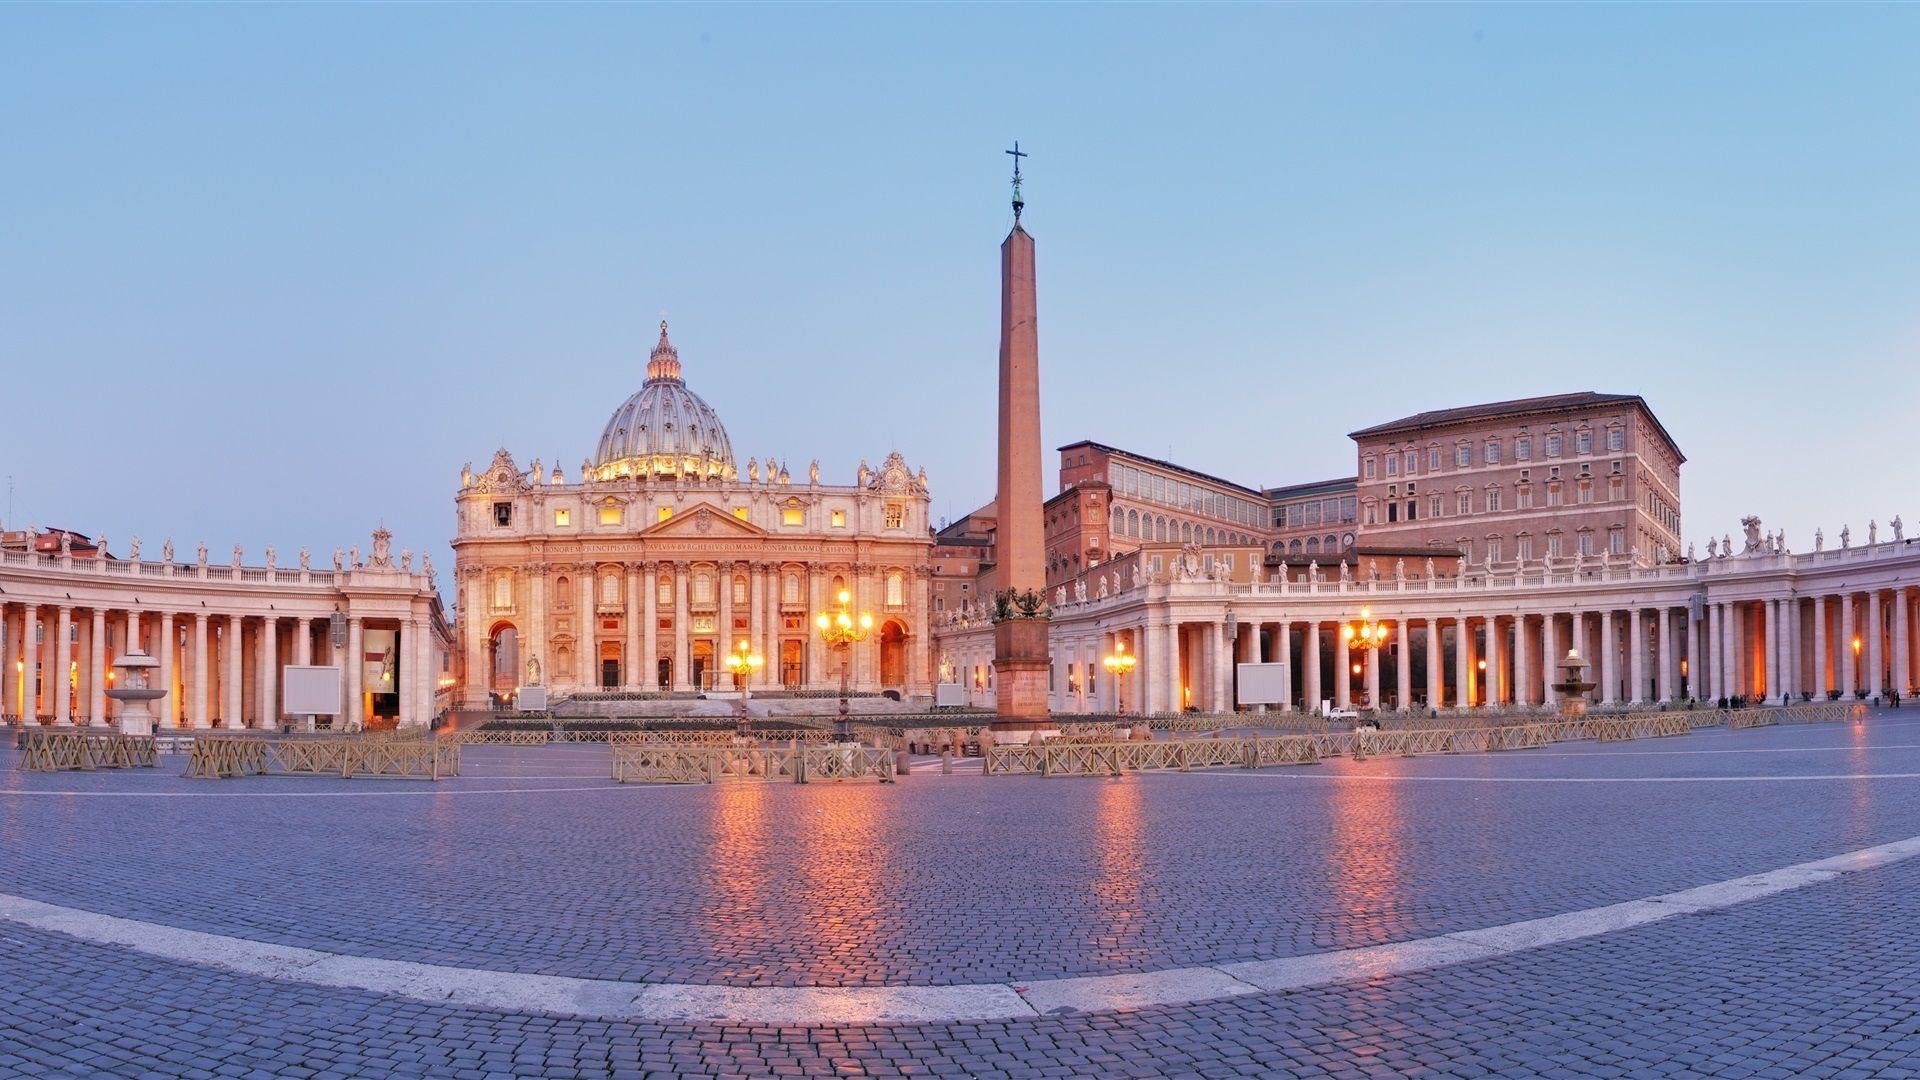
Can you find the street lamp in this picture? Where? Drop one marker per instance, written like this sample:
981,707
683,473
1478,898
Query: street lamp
744,663
1365,634
1118,663
842,630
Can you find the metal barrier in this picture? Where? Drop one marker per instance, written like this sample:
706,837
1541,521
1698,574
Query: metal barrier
662,762
55,750
223,756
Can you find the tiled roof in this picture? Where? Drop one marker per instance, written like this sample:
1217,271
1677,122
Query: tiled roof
1516,407
1168,465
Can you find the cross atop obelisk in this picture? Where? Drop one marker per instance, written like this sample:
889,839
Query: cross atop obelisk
1019,203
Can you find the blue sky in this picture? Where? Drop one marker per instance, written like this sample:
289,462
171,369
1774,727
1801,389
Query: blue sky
272,274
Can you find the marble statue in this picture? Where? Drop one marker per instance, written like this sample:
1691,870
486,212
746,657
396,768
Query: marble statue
1400,569
269,556
1060,596
865,473
1752,526
1726,545
539,474
1080,591
533,671
166,550
1873,532
1313,570
1346,574
1429,568
1819,540
203,553
406,560
1689,551
1846,536
66,544
305,557
753,470
339,561
133,549
426,564
382,549
353,557
1373,571
813,472
100,543
237,556
1136,573
1899,529
466,475
1713,548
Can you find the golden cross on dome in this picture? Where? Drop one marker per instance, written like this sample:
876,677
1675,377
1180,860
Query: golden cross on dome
1018,202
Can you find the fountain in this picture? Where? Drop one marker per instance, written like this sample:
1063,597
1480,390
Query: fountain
131,691
1573,687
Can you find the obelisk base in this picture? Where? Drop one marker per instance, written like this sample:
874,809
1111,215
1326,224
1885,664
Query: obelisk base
1020,668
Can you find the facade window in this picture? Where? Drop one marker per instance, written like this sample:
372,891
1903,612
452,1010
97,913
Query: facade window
1412,461
1433,459
610,514
792,515
1583,441
1313,545
1523,548
1462,456
1493,451
1366,467
739,591
1586,491
1523,498
503,593
1393,464
1616,439
1393,512
1494,550
1463,503
663,591
1553,546
703,588
838,519
896,589
562,517
790,589
1553,444
1617,541
1586,543
610,589
1553,494
1493,499
1433,506
1413,507
1616,488
1523,449
503,514
664,513
896,515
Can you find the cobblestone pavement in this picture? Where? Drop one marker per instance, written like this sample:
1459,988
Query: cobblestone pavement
534,863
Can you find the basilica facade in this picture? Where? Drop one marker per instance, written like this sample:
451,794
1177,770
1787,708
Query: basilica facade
640,573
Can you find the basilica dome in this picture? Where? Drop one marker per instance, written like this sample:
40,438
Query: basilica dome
665,429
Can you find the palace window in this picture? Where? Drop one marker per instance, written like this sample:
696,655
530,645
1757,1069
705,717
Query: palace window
562,517
1523,547
703,588
1413,509
1617,541
1616,488
610,514
1524,497
1493,499
502,592
1434,506
1586,543
1463,502
896,589
1553,444
1583,441
665,513
1553,494
1586,491
1616,439
1553,546
502,514
839,519
1433,459
1493,451
790,589
1462,456
1523,449
1393,464
1367,468
1494,549
1412,460
792,515
896,515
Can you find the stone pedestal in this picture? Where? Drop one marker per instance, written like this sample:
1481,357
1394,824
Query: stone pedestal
1020,676
132,692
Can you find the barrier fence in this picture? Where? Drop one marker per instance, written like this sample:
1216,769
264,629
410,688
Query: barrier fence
1076,757
222,756
661,762
60,751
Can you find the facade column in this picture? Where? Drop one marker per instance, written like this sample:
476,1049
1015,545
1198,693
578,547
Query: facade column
1636,656
1220,674
1770,657
60,682
202,717
30,664
1608,659
756,619
1147,664
1695,662
1730,649
355,671
634,668
168,650
1876,646
682,655
9,684
270,673
1822,660
1373,678
1549,656
1664,627
1462,664
1283,649
1849,667
724,643
1436,658
1310,668
1523,681
1902,649
425,679
407,711
1342,671
649,677
230,678
97,670
1498,691
1403,666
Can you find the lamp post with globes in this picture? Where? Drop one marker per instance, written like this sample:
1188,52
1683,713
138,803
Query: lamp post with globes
841,631
1119,664
1365,634
744,663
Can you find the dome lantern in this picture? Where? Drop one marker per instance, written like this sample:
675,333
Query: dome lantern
664,429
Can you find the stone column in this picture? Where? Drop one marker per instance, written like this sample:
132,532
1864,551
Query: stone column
1148,666
168,648
60,682
1436,683
202,716
270,673
30,663
1876,646
1310,668
682,654
1497,688
649,677
817,605
1223,661
586,660
1283,646
1770,611
1849,667
1462,664
97,669
1373,677
230,678
634,670
1342,671
722,678
1523,680
1730,648
1822,660
9,683
756,621
1403,665
1637,656
1609,659
424,676
1550,654
1664,628
355,669
1902,649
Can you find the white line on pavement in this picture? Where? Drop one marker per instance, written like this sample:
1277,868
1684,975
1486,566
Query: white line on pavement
515,992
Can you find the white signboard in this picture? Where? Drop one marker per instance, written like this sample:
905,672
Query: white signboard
1262,684
312,690
531,699
949,693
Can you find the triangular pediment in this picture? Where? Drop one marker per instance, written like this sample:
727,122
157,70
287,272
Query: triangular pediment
703,521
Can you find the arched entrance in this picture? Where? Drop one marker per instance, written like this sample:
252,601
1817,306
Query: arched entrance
893,654
503,658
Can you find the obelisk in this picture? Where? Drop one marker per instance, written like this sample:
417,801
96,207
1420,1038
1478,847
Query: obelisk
1020,636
